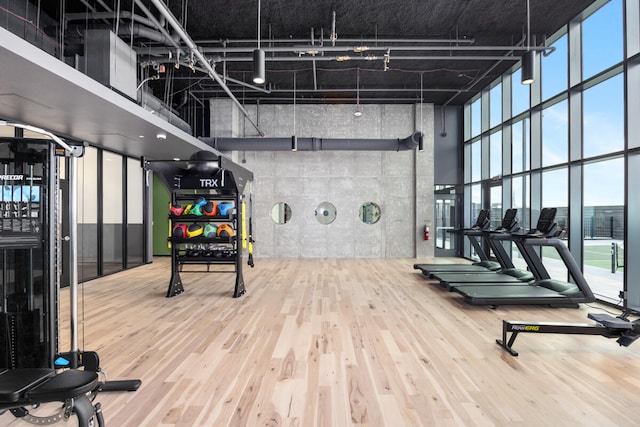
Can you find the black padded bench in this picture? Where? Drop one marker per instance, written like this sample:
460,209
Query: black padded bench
25,387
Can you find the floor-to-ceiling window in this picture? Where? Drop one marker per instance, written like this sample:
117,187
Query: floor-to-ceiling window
603,219
135,236
555,194
112,202
87,186
572,137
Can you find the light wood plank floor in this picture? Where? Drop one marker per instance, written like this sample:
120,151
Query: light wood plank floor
341,342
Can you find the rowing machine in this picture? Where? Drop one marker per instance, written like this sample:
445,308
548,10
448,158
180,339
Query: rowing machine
605,325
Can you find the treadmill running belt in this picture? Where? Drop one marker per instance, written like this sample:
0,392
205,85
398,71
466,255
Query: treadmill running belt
514,294
470,278
429,269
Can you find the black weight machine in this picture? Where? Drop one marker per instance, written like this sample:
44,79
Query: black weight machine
606,325
32,372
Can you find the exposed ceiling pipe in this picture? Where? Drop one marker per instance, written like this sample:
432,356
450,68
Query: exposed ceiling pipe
225,78
90,7
483,75
314,144
250,86
196,98
315,50
108,15
101,3
196,52
315,72
347,58
443,130
334,100
144,32
315,76
350,90
158,25
357,49
373,41
333,36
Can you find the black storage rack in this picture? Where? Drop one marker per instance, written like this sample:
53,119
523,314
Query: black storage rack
224,183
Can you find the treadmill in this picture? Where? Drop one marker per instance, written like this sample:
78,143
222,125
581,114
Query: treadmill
507,274
474,234
544,290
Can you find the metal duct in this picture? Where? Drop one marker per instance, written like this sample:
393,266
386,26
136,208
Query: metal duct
136,30
151,103
314,144
144,32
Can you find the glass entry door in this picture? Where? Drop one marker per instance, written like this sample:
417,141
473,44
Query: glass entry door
446,243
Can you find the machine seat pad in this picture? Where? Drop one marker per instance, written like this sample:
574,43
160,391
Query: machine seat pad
66,385
610,321
15,382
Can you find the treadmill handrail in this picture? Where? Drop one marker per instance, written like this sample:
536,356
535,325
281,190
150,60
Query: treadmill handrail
568,259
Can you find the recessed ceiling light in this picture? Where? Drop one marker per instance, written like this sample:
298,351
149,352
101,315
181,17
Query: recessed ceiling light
176,159
140,136
161,136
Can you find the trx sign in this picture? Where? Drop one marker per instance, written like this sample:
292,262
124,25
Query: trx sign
215,181
208,183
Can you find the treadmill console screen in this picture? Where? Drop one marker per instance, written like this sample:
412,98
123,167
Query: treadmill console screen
546,220
509,218
483,218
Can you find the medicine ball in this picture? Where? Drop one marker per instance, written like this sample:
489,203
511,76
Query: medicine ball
200,201
210,209
210,231
224,208
196,210
179,231
194,230
225,230
176,210
187,209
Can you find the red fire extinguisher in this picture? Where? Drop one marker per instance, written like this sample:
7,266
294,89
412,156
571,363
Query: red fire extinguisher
426,232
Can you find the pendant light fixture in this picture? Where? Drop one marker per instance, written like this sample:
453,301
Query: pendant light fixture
258,58
529,58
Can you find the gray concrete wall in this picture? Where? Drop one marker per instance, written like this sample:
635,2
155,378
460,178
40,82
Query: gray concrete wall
401,183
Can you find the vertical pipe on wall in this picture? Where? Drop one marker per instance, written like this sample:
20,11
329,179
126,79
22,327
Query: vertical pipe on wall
73,256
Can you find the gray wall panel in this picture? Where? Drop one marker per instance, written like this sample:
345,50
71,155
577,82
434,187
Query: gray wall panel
347,179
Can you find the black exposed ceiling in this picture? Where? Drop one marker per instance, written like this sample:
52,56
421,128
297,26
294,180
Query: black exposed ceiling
226,32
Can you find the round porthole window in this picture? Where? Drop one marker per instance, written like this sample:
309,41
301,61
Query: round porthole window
370,213
281,213
325,213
